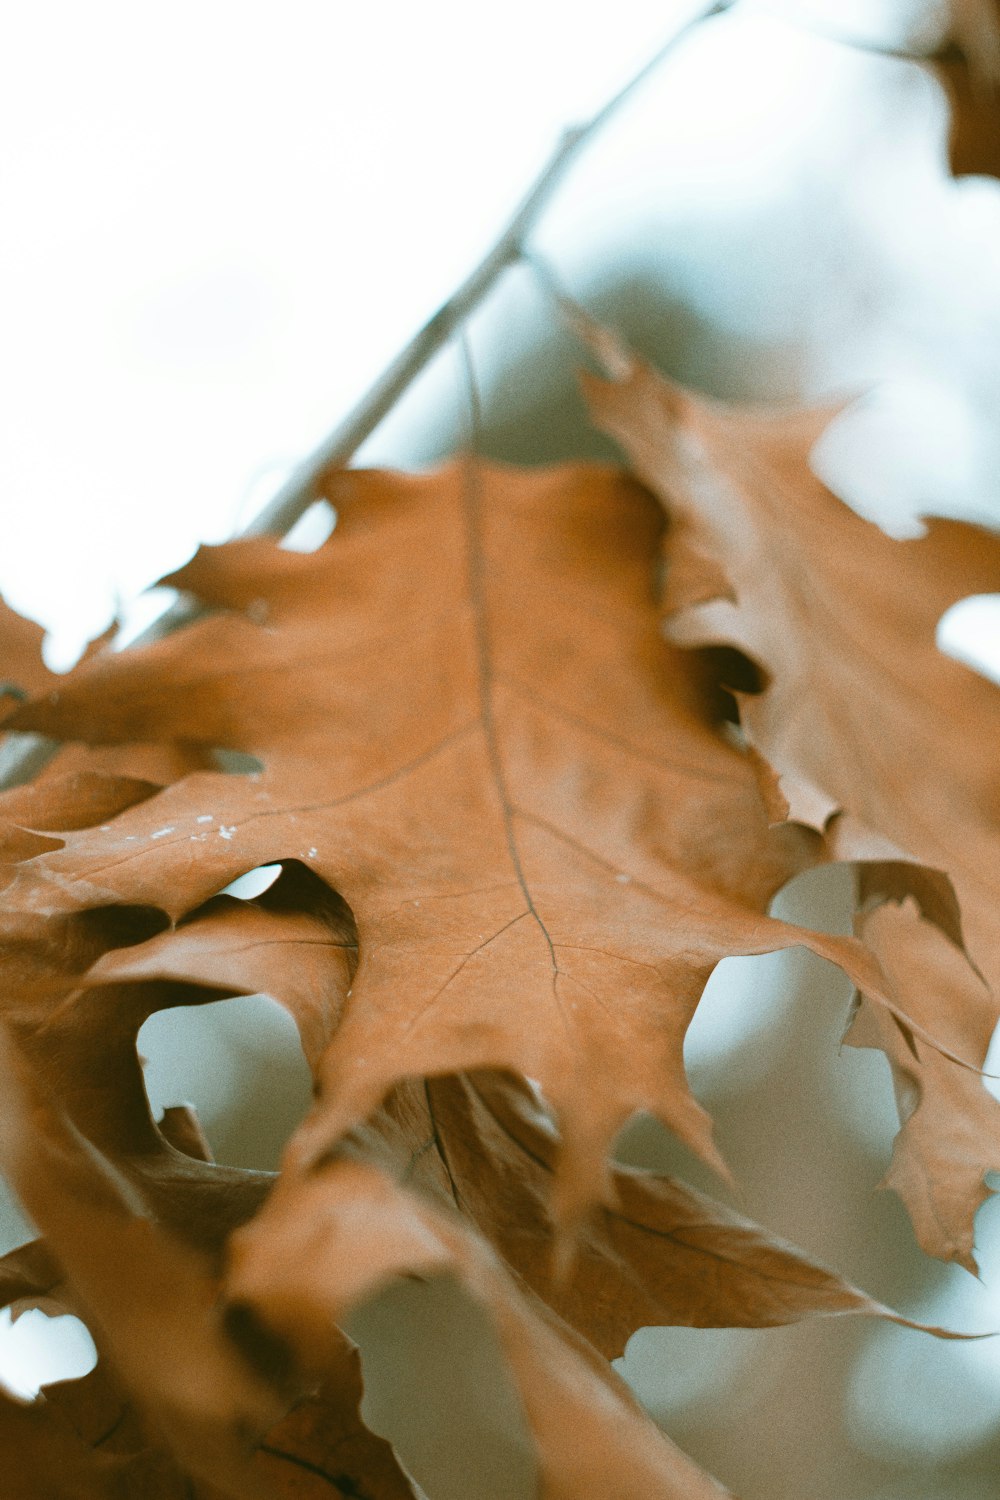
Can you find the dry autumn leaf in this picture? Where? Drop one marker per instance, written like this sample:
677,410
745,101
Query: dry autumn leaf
22,670
517,787
875,735
514,831
206,1410
297,942
329,1236
656,842
148,1299
667,1254
662,1254
860,712
328,1239
950,1121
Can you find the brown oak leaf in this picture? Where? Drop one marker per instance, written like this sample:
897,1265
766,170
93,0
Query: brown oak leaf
950,1122
875,735
203,1403
148,1300
661,1254
858,702
484,1145
472,731
331,1238
22,670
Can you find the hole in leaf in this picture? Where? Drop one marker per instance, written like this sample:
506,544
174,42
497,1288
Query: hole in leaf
36,1350
314,527
732,669
237,762
726,672
254,883
62,649
240,1063
969,632
293,888
136,615
15,1228
300,889
674,1369
433,1367
747,1001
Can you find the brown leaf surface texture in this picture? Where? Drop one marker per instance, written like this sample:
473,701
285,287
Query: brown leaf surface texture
179,1403
472,731
148,1298
858,700
872,731
950,1136
22,670
663,1254
485,1146
328,1239
975,26
512,836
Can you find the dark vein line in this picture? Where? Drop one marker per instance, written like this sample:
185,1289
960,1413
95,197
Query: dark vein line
107,1436
622,958
477,592
525,1149
373,786
575,844
421,1150
289,942
603,1004
458,969
342,1483
676,1237
661,762
557,974
304,807
429,896
439,1145
673,1236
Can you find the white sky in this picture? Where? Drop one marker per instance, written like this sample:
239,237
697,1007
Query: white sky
220,222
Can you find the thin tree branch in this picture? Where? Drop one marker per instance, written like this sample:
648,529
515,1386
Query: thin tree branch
22,756
341,445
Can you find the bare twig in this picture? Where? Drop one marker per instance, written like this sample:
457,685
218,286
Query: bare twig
23,755
341,445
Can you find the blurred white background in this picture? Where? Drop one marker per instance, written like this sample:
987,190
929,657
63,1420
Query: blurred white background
221,221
